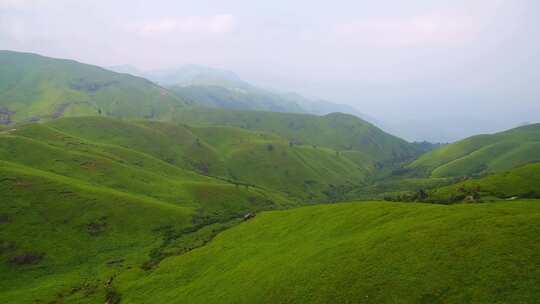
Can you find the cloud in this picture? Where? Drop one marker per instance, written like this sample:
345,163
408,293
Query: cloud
431,29
216,24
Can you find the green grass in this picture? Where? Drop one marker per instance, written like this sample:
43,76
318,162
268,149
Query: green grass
131,183
519,182
79,229
361,253
96,209
483,154
163,160
34,87
337,131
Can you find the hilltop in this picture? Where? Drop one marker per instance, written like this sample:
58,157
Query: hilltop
482,154
37,88
357,138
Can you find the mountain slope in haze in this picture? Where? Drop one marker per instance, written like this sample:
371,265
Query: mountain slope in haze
192,74
34,87
356,138
483,154
248,98
219,88
361,253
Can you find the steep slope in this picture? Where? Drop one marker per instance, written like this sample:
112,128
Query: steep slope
34,87
361,253
483,154
340,132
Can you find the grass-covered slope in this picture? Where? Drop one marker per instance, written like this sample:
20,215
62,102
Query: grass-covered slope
34,87
62,238
337,131
127,157
521,182
361,253
84,199
483,154
168,161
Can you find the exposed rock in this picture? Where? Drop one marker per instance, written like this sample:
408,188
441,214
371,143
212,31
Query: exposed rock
249,216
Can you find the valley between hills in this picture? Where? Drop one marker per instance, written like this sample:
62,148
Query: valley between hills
120,189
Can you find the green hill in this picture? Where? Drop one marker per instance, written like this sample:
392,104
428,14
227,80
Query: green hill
342,132
162,160
112,197
361,253
483,154
34,88
522,182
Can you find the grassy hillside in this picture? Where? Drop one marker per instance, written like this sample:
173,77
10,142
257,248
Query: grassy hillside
34,87
361,253
483,154
64,238
167,161
519,182
113,197
337,131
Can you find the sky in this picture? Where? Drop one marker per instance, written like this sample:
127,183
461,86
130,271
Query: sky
426,69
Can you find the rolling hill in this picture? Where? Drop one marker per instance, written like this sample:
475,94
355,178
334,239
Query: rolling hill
127,155
520,182
37,88
119,197
126,192
483,154
112,196
358,139
361,253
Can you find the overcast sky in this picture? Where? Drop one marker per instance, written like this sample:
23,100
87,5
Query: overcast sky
451,63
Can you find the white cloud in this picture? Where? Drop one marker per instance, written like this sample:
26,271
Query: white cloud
216,24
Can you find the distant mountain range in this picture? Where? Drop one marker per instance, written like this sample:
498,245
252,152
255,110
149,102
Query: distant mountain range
224,89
